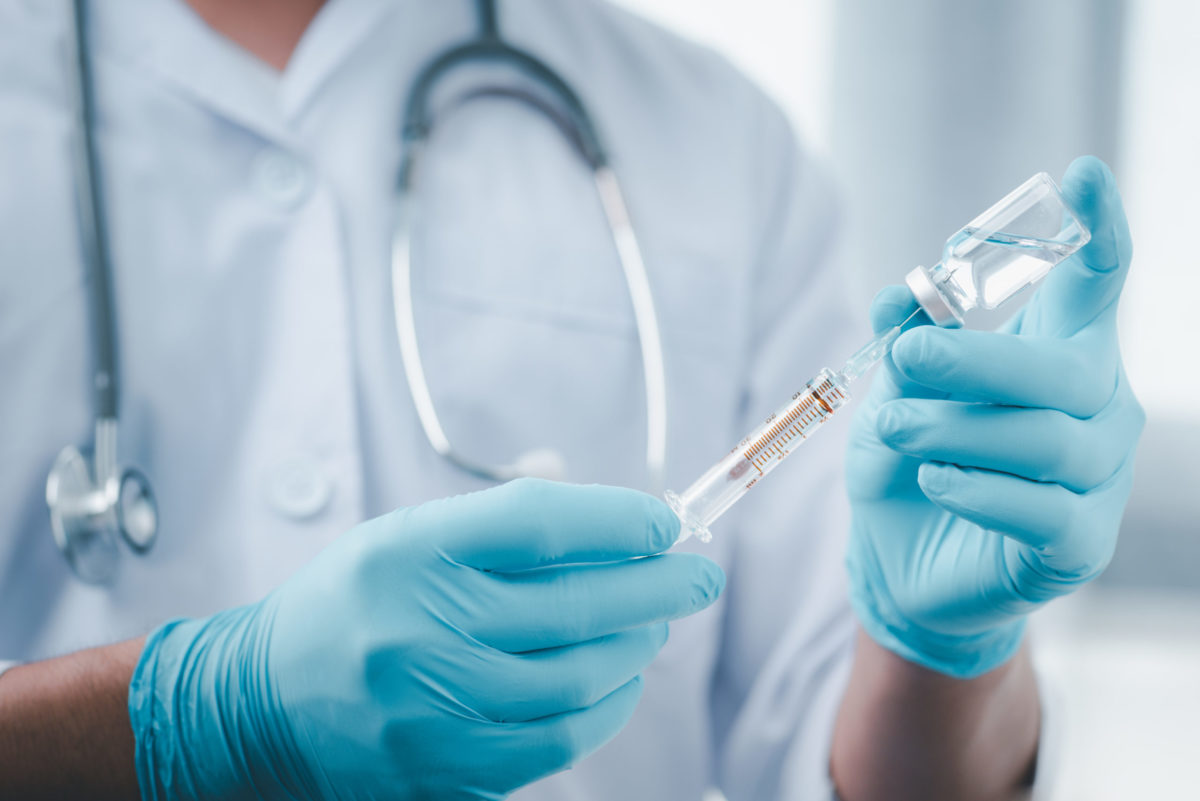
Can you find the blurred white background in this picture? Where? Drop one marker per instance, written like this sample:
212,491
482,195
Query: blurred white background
931,109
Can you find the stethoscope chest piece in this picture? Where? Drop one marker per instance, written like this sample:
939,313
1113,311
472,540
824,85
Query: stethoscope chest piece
88,517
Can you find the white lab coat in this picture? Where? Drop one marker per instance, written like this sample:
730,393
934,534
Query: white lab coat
262,388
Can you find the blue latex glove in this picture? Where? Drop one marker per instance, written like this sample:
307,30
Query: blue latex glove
458,649
988,472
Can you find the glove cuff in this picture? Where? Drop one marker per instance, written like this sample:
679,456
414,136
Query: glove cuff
962,656
196,704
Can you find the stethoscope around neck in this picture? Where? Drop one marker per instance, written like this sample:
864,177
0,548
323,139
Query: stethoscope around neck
95,502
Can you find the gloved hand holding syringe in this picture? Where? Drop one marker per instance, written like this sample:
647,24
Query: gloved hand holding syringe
1008,247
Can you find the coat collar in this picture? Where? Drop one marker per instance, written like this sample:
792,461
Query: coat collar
166,40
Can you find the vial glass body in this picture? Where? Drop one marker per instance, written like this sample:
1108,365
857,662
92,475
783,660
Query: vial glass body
1008,247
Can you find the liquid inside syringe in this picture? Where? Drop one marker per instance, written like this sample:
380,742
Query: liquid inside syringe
762,450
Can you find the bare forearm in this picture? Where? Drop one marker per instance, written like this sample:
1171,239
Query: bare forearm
905,732
64,726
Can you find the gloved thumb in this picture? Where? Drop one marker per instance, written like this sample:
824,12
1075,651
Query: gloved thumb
1086,285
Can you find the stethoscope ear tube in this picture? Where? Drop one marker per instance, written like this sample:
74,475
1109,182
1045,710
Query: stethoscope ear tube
418,111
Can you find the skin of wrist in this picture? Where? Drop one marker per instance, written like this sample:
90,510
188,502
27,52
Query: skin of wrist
907,732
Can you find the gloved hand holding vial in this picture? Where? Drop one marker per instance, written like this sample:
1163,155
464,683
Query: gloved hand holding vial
1005,249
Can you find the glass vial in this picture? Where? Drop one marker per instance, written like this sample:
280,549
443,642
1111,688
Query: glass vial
1008,247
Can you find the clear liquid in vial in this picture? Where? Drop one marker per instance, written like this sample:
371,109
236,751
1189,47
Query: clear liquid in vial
985,269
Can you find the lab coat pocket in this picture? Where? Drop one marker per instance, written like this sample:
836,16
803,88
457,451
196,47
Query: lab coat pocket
511,376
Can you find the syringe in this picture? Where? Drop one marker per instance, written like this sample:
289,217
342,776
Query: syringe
1008,247
764,448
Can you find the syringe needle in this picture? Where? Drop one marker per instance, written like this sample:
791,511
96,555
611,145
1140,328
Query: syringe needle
874,350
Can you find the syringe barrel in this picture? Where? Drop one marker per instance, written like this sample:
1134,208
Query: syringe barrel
758,454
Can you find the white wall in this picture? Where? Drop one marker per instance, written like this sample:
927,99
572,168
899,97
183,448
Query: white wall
784,45
787,46
1161,181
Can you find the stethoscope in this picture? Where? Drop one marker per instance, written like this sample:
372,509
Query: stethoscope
95,502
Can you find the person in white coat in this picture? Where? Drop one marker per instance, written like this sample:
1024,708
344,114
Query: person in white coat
248,155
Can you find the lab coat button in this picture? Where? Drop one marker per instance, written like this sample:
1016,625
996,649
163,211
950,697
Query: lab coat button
299,487
281,178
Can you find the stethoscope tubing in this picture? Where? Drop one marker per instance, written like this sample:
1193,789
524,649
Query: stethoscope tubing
577,128
93,225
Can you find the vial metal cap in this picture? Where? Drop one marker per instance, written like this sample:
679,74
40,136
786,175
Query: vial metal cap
931,300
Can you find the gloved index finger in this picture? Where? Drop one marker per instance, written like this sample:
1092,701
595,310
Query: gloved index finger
530,523
892,306
1072,376
1083,286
